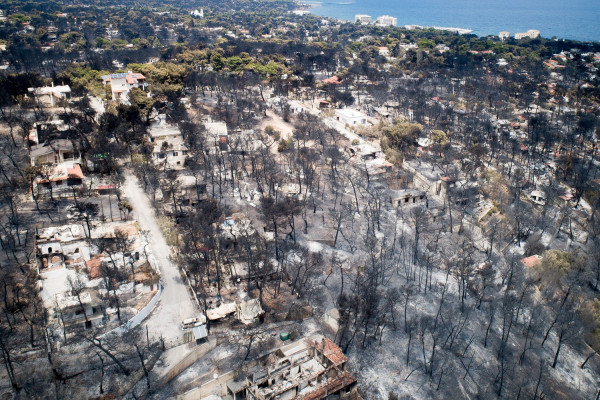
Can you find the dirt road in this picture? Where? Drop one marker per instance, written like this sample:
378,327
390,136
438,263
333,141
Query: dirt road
176,303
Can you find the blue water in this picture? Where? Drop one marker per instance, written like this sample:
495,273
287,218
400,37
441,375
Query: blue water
567,19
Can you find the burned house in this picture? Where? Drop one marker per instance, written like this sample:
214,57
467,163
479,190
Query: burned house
59,165
407,197
246,312
309,369
54,152
378,168
58,180
365,151
537,197
235,226
64,246
293,190
83,310
426,177
183,194
43,131
461,192
50,96
72,286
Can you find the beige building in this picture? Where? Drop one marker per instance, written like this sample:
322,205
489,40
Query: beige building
362,18
504,35
55,152
531,34
386,20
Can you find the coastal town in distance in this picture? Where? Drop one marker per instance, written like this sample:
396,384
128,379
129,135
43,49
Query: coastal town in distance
244,200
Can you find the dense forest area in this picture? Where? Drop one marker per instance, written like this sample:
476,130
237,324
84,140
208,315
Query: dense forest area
435,195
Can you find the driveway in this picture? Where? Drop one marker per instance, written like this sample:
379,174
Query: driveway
176,303
98,105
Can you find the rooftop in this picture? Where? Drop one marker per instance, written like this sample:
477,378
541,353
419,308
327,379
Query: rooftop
130,77
532,261
63,233
48,148
350,113
62,172
50,90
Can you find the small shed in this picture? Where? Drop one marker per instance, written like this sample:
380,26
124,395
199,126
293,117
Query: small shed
200,333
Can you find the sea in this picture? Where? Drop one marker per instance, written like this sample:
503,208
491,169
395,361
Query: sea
563,19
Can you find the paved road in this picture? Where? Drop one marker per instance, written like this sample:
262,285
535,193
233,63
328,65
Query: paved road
176,303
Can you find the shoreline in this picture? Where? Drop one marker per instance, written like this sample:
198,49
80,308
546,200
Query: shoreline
309,6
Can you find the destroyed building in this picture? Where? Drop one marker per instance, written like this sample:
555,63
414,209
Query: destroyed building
61,246
309,369
54,152
408,197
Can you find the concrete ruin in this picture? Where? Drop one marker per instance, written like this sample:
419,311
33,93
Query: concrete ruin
309,369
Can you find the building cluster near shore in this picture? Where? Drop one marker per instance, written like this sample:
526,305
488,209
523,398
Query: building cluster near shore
383,20
386,20
530,34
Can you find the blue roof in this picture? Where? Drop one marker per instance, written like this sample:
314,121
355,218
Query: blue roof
119,75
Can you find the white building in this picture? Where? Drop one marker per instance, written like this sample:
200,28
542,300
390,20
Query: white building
504,35
350,117
197,14
442,48
386,20
121,84
49,95
362,18
169,149
531,34
384,51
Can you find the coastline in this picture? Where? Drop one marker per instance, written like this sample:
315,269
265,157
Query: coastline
574,26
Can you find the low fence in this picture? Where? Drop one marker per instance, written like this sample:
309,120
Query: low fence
144,312
138,318
217,385
188,360
137,375
190,287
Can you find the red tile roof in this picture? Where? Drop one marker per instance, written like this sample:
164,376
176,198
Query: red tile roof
106,187
532,261
93,267
334,353
334,80
75,172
